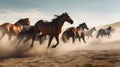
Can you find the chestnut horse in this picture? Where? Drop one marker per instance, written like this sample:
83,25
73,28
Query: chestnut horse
13,29
53,28
74,33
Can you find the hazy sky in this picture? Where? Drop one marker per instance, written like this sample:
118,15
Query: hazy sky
93,12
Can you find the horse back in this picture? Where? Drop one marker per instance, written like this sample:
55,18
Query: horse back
15,29
47,28
6,26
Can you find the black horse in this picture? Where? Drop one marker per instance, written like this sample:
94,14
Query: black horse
52,28
27,34
104,32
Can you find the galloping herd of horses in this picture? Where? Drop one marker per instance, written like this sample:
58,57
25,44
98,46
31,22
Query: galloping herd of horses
44,29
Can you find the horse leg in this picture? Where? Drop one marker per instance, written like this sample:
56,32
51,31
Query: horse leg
19,41
101,35
57,39
83,37
33,37
73,39
79,39
109,35
50,40
40,38
97,35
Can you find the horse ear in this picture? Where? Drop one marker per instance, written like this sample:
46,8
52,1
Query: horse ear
65,13
56,15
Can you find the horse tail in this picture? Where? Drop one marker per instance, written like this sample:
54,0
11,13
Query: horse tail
64,37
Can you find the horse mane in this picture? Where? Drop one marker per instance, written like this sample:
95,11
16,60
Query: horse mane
21,20
81,25
58,17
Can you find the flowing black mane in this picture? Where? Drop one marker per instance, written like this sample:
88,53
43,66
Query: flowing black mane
57,17
53,20
81,25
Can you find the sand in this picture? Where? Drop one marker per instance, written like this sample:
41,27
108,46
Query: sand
102,52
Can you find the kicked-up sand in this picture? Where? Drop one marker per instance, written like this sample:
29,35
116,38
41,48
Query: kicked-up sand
101,52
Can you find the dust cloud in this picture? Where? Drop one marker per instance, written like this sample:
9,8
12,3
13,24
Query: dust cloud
10,49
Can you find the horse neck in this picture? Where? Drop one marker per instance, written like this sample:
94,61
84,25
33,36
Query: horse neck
81,28
59,23
17,24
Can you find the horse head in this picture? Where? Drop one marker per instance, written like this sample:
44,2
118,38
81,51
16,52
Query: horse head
83,26
67,18
24,22
109,28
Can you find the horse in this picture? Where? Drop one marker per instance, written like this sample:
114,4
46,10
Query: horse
13,29
27,34
89,33
103,32
53,28
75,33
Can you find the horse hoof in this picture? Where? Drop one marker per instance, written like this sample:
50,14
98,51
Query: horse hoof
31,46
53,46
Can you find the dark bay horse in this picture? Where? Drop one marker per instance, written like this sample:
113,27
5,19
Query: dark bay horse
53,28
89,33
74,33
103,32
27,33
13,29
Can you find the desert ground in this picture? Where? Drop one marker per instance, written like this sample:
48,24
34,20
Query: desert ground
101,52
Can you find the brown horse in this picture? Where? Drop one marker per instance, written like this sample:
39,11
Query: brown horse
74,33
13,29
53,28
